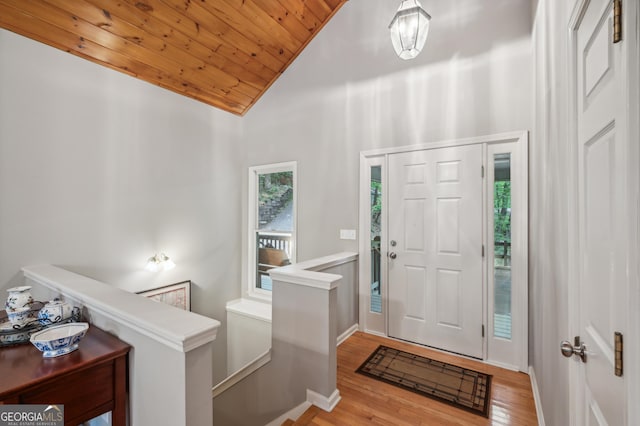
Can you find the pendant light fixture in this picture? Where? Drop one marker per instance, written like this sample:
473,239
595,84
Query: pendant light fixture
409,29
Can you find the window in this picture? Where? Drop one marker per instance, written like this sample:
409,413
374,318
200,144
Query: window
502,245
506,254
376,228
372,288
272,223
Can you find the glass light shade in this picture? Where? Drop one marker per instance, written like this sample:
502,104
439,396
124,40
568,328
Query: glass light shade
159,262
168,264
409,29
152,265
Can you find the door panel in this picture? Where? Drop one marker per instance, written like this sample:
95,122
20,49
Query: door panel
415,292
448,214
601,216
414,212
448,297
435,218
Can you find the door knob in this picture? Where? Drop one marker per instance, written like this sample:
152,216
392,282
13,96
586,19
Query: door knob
392,255
566,348
578,348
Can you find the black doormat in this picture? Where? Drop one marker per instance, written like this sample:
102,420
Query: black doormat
460,387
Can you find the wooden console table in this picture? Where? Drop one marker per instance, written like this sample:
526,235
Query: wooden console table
89,381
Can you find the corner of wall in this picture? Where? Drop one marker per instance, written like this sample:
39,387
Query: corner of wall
536,396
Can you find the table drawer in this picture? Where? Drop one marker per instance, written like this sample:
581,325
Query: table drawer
79,391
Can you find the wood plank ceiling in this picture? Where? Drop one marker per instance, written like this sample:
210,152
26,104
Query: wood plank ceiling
225,53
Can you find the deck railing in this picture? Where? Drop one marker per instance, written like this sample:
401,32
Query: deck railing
504,254
276,241
375,269
273,250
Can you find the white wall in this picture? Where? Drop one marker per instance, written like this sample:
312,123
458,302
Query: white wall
552,161
549,210
84,150
99,170
349,92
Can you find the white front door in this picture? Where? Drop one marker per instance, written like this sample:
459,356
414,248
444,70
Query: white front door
600,294
435,248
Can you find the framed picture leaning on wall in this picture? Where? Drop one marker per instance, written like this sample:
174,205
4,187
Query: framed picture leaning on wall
178,295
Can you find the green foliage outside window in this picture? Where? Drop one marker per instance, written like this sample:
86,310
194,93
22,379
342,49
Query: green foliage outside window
376,200
273,185
501,216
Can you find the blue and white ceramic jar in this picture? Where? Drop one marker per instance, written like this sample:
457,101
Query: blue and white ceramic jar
19,316
19,297
55,311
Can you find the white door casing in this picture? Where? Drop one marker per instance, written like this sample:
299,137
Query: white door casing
512,355
599,291
436,220
509,352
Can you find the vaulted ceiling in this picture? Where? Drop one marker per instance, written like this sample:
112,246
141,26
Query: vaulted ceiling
225,53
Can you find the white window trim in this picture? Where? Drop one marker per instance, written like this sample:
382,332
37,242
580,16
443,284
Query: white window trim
372,322
510,353
252,291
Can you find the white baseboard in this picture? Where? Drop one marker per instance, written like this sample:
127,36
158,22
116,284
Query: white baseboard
321,401
313,398
292,414
536,396
377,333
344,336
503,365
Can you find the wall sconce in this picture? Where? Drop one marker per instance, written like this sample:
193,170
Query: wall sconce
159,262
409,29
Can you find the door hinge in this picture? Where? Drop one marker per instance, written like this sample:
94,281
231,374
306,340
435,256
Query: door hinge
482,330
618,347
482,171
483,250
617,21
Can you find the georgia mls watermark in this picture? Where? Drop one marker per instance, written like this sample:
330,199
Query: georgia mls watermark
31,415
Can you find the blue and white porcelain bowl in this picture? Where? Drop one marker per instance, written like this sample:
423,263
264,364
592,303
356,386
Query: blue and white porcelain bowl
60,339
10,334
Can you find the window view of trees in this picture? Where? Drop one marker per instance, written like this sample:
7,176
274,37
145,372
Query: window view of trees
376,215
275,194
502,246
502,221
273,183
275,224
376,207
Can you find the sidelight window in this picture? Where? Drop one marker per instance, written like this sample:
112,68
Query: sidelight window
502,245
376,237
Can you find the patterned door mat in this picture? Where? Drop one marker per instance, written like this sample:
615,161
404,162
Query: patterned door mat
460,387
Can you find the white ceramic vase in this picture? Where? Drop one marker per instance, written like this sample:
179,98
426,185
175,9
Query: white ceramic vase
19,297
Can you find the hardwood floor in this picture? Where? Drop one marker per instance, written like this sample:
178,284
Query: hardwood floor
366,401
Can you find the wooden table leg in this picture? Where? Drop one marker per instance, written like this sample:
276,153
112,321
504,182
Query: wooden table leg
120,393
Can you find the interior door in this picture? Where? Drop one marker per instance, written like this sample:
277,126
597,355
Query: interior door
435,248
601,208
